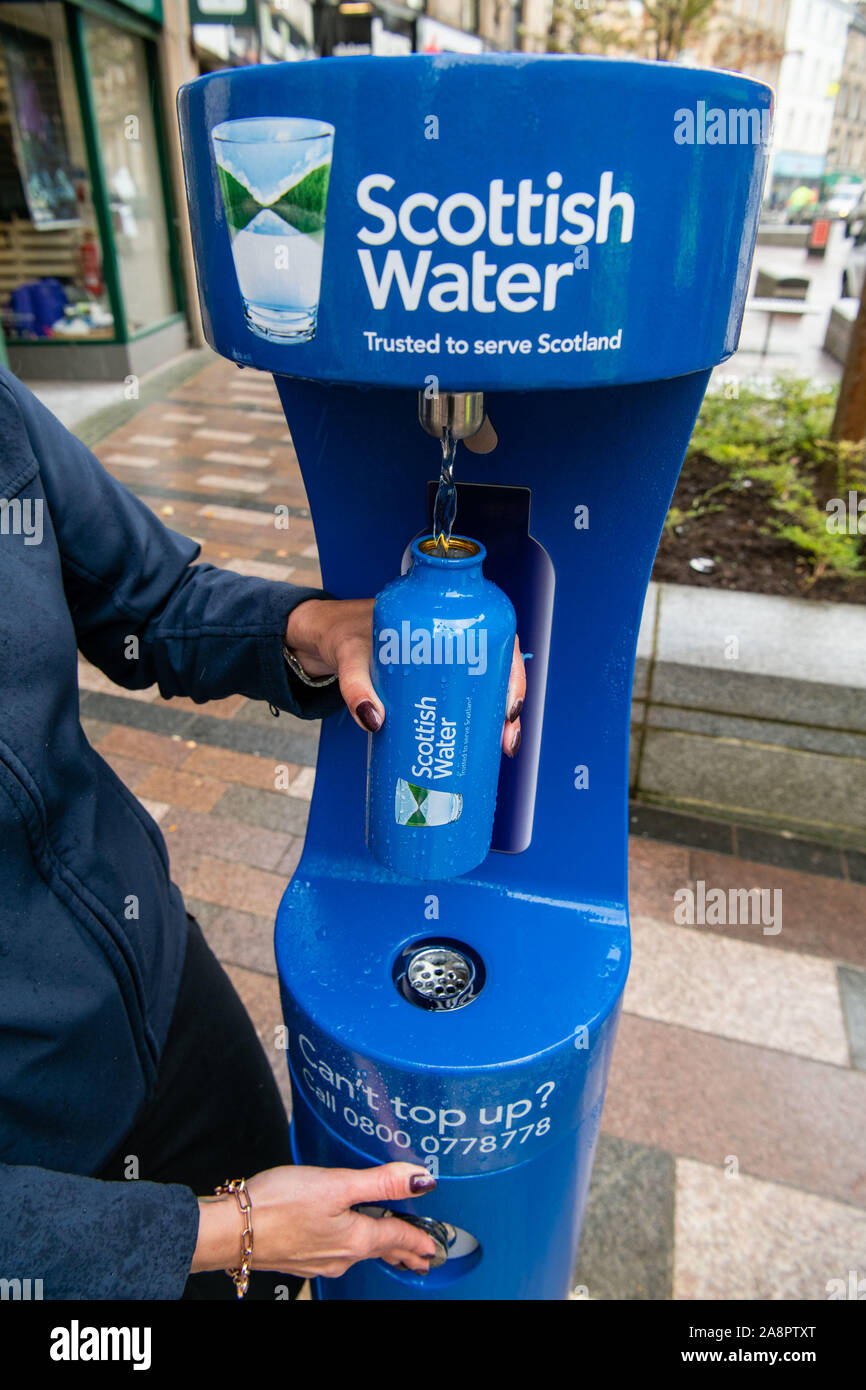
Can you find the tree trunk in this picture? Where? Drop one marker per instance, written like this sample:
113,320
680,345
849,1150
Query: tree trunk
849,422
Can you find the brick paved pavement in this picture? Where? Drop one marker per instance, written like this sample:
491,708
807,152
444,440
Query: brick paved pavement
731,1162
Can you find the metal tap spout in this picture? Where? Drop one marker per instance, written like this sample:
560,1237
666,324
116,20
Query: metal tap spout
461,413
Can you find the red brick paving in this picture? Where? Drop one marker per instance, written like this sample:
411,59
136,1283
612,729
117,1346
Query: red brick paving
695,1095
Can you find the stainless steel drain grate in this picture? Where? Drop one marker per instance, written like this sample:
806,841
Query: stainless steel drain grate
440,975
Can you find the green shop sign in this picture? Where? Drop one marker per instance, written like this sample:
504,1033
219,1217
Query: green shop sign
151,9
241,13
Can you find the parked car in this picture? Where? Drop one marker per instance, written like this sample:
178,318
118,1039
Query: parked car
854,270
856,219
842,200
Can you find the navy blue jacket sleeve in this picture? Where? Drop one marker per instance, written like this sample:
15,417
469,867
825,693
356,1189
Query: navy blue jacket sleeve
143,613
89,1239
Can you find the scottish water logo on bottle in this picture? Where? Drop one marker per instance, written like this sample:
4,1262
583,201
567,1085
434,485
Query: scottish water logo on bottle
443,638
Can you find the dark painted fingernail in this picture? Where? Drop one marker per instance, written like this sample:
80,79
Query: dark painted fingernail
515,710
421,1182
515,744
369,716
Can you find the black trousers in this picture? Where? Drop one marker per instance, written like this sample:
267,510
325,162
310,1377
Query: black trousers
217,1112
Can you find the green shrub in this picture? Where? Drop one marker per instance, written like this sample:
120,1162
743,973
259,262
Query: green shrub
780,441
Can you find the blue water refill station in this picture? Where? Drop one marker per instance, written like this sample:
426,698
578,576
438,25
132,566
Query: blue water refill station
558,247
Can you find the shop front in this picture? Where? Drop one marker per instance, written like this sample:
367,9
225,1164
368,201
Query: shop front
90,282
353,28
235,33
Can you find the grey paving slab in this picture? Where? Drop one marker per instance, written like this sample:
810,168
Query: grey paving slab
777,848
696,978
813,703
117,709
788,852
627,1247
856,866
286,739
99,417
291,858
204,913
634,749
645,643
238,499
695,832
852,988
95,729
793,638
279,741
719,724
270,810
92,409
744,1238
258,713
648,621
261,998
241,938
641,677
812,792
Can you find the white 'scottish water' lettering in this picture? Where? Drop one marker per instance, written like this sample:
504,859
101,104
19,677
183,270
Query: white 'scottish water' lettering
525,216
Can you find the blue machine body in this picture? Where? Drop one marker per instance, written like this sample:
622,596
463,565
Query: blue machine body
443,639
573,237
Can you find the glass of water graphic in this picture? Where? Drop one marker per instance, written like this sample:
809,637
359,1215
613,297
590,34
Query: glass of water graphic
273,174
415,805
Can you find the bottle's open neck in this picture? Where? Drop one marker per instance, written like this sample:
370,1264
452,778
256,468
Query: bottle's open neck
458,552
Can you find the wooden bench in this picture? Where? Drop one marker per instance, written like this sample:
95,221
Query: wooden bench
778,234
772,307
774,284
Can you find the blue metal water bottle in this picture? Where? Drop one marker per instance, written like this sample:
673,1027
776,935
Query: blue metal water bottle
443,638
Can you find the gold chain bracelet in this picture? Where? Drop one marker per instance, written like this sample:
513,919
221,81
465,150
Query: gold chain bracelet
241,1276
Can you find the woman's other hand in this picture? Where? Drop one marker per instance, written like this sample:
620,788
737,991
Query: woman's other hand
303,1222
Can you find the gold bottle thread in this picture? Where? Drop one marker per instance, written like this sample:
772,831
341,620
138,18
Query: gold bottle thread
457,548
